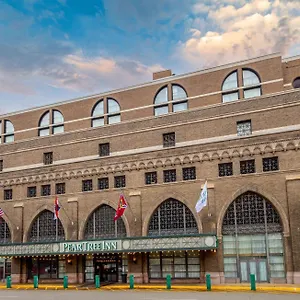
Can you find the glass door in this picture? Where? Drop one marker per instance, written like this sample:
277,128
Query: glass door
256,266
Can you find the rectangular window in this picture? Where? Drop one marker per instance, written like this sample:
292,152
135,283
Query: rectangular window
104,149
46,190
169,139
244,128
31,191
87,185
169,175
1,165
48,158
225,169
247,166
60,188
150,177
189,173
270,164
8,194
120,181
103,183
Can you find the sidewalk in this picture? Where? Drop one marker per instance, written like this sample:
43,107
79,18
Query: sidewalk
270,288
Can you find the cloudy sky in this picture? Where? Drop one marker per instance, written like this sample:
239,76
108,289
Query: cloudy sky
54,50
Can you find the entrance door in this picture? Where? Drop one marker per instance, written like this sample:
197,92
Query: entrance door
107,268
256,266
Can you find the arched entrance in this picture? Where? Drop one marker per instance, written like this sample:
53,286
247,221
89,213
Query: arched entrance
173,218
252,239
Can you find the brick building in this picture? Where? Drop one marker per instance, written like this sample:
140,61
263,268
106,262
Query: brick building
235,126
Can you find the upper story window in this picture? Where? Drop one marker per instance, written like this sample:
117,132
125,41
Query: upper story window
296,83
178,100
251,85
51,122
7,132
112,111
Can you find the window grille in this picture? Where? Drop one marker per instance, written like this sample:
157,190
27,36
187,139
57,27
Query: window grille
270,164
8,194
48,158
31,191
1,165
87,185
46,190
151,177
247,166
169,139
101,224
120,181
104,149
46,229
5,236
103,183
189,173
225,169
169,175
60,188
244,128
172,217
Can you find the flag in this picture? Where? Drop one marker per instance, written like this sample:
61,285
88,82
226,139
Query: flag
121,207
1,212
56,208
202,201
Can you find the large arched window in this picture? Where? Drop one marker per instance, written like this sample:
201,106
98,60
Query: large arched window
113,112
101,224
179,100
45,228
252,239
51,122
6,131
5,236
251,85
172,218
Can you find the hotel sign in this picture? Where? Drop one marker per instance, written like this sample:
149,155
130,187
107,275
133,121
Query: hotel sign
139,244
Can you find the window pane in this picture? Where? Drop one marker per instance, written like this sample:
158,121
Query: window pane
250,78
58,129
98,122
57,117
230,82
178,92
179,106
9,139
99,109
113,106
44,132
251,93
162,96
9,127
45,120
114,119
162,110
231,97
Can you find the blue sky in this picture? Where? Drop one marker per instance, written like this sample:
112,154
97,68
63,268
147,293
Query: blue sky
54,50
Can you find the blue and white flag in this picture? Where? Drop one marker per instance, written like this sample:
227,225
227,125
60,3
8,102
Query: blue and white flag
202,201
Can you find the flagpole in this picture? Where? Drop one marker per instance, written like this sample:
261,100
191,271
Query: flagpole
129,206
208,213
56,229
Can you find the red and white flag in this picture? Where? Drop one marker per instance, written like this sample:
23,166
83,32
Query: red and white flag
121,207
1,212
56,209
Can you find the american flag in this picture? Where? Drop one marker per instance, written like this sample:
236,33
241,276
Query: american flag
1,212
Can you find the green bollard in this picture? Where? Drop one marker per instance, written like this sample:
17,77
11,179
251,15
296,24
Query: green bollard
168,282
97,281
65,282
131,281
35,282
208,282
252,282
8,282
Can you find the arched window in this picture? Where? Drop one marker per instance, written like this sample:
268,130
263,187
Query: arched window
230,87
161,100
46,229
51,122
172,218
113,113
101,224
251,84
296,83
252,239
7,132
5,236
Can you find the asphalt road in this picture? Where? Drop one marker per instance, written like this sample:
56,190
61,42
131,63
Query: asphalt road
139,295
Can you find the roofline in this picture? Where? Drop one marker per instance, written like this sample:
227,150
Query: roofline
153,82
291,58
